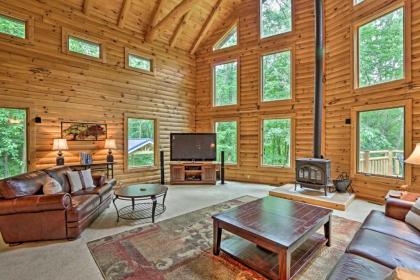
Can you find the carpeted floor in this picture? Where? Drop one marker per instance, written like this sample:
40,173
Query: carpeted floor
180,248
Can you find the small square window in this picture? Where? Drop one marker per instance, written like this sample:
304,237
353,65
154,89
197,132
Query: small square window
84,47
13,26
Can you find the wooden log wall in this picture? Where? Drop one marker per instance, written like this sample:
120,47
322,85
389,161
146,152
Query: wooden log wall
250,110
60,87
339,96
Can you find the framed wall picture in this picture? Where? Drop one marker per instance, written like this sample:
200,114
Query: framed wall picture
76,131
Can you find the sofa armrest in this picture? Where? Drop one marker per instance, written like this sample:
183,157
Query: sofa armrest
397,208
98,180
35,203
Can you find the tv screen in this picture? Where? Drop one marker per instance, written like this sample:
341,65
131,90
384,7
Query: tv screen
193,146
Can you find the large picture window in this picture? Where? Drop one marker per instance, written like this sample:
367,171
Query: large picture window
275,17
140,143
225,84
276,142
227,140
381,139
380,50
276,76
13,142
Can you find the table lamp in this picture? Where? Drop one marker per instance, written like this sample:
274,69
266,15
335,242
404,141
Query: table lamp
413,159
60,145
110,145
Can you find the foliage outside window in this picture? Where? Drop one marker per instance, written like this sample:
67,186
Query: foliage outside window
276,76
381,142
227,140
225,84
381,49
141,142
138,62
84,47
13,154
276,142
13,26
276,17
229,40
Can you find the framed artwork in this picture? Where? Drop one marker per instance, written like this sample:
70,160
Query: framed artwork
76,131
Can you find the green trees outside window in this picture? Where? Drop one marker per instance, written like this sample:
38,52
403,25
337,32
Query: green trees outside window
381,142
227,140
381,49
13,154
139,62
225,88
84,47
276,142
13,26
229,40
276,17
141,143
276,76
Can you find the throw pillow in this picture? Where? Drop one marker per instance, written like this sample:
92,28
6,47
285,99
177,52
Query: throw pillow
75,181
413,216
401,273
52,186
87,180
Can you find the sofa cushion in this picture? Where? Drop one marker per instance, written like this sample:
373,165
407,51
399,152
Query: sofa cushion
102,192
59,174
377,221
385,249
351,266
82,206
23,185
413,216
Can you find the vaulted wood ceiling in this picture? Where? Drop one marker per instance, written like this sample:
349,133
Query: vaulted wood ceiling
182,24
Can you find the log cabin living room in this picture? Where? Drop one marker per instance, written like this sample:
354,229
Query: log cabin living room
210,139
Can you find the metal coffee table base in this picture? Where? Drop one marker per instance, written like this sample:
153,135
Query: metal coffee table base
140,210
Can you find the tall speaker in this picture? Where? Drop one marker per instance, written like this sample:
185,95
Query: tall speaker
222,167
162,168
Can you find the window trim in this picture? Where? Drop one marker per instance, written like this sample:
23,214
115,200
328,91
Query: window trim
407,104
128,51
29,26
66,33
231,26
276,36
263,167
238,84
153,167
292,98
238,141
405,4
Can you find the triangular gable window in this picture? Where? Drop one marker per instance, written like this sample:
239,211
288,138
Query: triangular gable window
230,39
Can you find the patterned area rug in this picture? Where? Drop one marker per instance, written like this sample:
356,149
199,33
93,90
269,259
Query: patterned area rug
181,248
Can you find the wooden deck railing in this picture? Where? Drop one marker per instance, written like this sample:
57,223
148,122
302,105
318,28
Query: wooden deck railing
385,162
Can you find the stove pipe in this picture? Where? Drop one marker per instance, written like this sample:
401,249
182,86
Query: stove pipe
319,70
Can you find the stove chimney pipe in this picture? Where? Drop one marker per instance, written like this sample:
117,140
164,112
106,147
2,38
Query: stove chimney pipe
319,71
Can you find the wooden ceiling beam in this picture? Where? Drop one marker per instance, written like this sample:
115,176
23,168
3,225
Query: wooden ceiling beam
206,26
87,4
179,27
124,13
156,13
173,16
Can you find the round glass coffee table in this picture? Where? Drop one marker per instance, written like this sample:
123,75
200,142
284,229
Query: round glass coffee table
139,195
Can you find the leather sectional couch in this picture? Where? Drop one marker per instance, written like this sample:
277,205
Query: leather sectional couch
383,243
27,214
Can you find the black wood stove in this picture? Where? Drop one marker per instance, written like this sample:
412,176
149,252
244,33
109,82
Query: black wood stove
313,173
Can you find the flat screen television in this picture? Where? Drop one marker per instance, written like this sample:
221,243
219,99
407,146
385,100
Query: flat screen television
193,146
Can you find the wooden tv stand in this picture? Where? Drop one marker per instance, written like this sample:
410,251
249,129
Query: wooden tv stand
193,173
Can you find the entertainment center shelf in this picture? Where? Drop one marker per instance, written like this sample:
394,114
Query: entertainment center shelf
194,173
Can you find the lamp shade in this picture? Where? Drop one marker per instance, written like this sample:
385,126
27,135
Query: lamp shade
414,158
110,144
60,145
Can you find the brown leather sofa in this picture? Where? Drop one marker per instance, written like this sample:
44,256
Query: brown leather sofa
383,243
27,214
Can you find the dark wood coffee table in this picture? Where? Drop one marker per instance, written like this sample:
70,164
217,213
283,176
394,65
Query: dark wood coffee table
138,194
268,230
